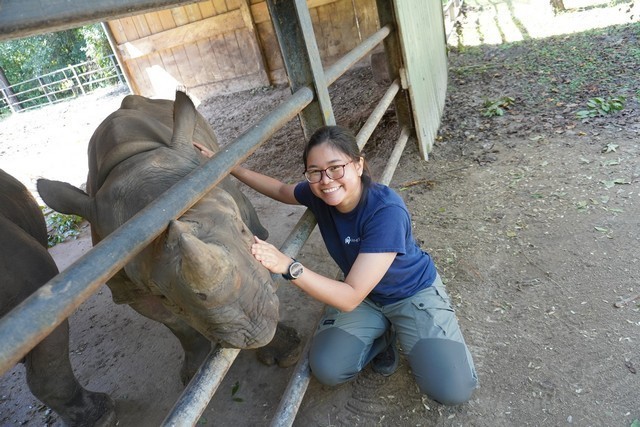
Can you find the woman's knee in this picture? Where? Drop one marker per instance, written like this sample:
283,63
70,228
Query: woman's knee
443,370
335,356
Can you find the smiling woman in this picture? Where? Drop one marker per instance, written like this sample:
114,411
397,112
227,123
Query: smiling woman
391,290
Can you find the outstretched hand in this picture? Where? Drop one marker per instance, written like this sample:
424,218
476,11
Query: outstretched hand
270,257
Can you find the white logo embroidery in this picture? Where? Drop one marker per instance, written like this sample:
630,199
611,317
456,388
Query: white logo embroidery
348,240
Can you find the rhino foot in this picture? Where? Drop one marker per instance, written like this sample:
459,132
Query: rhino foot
284,349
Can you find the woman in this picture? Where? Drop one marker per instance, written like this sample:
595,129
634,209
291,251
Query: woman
391,288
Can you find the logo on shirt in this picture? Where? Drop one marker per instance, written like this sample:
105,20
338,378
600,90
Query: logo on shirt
348,240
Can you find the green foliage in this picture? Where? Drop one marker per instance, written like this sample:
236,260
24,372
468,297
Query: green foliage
61,227
23,59
497,107
97,46
602,107
234,390
559,69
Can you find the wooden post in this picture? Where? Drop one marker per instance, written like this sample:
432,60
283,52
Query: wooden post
292,24
7,92
116,53
247,17
393,50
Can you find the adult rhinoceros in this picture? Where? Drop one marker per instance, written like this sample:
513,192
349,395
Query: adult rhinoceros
198,277
25,265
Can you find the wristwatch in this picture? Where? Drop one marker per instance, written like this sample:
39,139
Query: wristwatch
295,270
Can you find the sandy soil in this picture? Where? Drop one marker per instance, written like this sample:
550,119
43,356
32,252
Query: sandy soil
532,218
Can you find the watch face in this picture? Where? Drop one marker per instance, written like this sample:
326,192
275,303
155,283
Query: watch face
295,270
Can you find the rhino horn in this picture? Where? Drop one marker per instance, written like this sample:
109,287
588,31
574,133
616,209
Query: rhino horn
206,268
175,230
185,118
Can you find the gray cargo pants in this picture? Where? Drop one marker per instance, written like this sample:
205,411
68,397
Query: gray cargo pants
428,334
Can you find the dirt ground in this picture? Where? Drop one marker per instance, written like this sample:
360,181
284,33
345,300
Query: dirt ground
532,217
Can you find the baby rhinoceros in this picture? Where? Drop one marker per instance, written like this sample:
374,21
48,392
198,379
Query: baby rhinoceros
198,277
25,265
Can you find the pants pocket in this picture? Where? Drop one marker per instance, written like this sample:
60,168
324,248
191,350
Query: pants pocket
435,316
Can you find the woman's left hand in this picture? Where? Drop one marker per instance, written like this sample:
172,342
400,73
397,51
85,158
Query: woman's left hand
270,257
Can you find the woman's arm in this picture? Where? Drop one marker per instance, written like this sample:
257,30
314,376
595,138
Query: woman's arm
266,185
367,271
263,184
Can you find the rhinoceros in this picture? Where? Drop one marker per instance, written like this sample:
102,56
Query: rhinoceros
25,265
198,277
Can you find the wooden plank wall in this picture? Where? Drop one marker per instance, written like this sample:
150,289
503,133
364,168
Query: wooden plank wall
222,46
422,35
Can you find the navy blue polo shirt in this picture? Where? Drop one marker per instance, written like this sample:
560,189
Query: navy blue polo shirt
380,223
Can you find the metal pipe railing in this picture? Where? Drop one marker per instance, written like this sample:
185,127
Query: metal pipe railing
294,393
32,320
194,400
338,68
376,115
151,221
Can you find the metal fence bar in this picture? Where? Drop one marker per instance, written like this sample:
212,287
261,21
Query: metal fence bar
294,393
28,323
194,400
338,68
394,158
374,118
296,388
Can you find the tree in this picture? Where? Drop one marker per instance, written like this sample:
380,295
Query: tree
24,59
558,6
9,96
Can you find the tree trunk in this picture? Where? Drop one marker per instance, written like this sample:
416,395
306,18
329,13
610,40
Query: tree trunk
558,6
8,95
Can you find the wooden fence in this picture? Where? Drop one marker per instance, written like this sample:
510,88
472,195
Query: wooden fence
60,85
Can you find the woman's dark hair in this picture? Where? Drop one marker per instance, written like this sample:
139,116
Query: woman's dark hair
341,139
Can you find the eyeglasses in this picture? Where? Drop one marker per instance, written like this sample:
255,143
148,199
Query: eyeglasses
332,172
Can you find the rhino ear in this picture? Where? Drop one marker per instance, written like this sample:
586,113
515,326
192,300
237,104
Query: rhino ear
184,122
65,198
207,269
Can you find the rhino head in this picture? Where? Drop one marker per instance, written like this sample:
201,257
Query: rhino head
203,267
200,267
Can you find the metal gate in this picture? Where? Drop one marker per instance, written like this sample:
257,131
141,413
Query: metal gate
37,316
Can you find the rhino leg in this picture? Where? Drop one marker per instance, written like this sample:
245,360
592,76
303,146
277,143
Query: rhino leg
196,347
51,380
284,349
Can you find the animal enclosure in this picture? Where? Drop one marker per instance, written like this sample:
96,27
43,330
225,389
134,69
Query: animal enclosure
311,66
219,46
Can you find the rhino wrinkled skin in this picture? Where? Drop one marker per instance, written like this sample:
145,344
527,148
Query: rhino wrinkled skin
25,265
198,277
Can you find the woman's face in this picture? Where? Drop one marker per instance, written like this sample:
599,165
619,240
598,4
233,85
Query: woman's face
343,193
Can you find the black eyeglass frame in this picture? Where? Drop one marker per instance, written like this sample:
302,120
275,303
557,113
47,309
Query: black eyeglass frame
326,172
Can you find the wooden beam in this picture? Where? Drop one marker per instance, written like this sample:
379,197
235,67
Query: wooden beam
260,11
184,34
23,18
